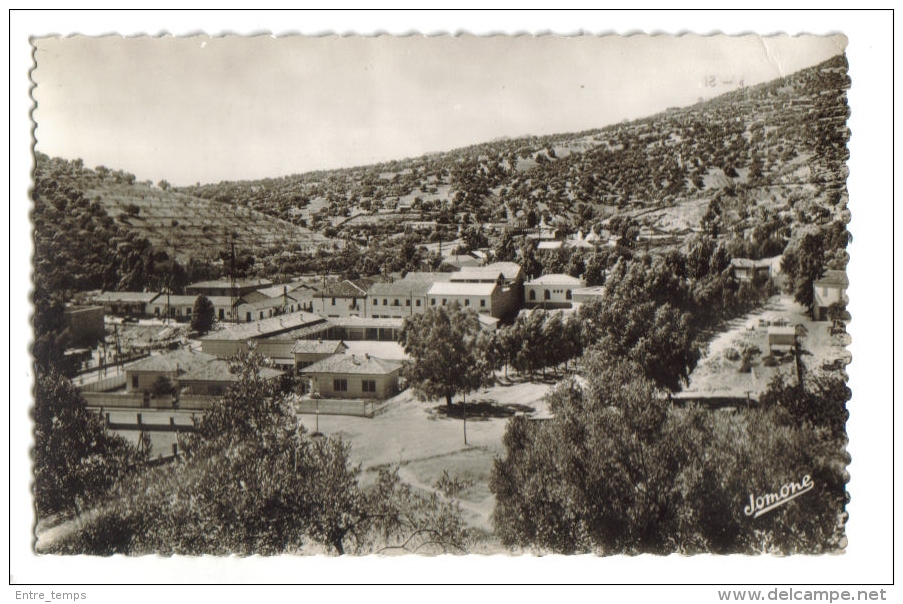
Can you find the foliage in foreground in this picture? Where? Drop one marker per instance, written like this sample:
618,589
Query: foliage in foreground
618,470
75,459
253,482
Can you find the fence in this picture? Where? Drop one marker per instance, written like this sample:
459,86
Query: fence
137,400
332,406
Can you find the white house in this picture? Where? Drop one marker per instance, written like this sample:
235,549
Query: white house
831,288
551,291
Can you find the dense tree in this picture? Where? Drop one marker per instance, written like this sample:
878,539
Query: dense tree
251,481
203,315
75,459
618,470
444,362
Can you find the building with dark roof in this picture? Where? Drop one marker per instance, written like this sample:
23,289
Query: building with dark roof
346,298
308,352
132,304
403,297
223,287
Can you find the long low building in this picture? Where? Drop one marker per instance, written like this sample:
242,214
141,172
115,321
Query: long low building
231,338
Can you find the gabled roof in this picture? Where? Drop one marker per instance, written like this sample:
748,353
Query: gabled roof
171,361
264,327
550,245
219,370
126,297
462,289
275,291
318,346
833,278
556,279
478,274
402,287
511,270
353,364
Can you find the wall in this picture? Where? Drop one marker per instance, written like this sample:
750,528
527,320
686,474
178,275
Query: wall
85,325
359,408
386,385
558,296
402,310
824,297
341,308
146,379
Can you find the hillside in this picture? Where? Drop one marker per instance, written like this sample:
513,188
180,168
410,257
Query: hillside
185,226
774,144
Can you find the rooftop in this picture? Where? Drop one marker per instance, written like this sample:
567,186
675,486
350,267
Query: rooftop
556,279
220,283
219,370
172,361
275,291
126,297
353,364
318,346
462,289
832,277
264,327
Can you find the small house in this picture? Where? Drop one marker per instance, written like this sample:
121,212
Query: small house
830,289
353,376
551,291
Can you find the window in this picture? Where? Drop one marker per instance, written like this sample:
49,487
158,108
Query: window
222,314
134,381
444,301
482,303
824,291
396,302
157,311
407,302
567,294
340,385
368,385
385,302
187,312
375,301
248,317
432,301
418,302
466,301
546,294
333,301
532,294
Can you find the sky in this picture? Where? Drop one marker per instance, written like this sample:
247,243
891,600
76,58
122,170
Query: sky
206,109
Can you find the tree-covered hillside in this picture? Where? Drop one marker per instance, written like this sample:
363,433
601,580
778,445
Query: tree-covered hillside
772,142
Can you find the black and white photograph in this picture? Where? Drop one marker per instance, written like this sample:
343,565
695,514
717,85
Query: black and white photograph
345,296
